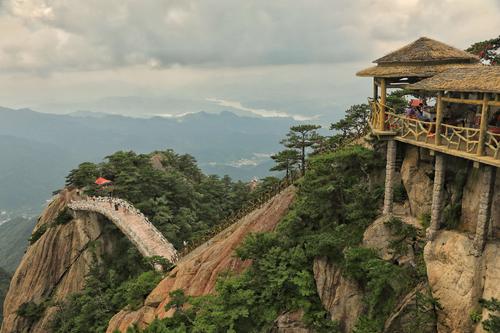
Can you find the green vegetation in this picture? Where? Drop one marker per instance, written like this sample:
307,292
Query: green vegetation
353,125
112,283
4,287
492,323
301,138
336,202
32,311
175,195
63,217
487,50
286,160
38,233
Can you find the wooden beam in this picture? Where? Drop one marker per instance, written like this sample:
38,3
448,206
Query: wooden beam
375,90
483,126
383,98
470,101
439,118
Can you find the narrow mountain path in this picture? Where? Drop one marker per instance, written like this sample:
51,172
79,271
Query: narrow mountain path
134,225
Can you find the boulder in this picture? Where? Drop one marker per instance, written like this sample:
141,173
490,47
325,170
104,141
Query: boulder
341,297
416,176
458,279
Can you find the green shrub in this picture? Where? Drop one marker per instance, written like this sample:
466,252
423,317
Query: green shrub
405,234
425,220
136,290
31,310
451,216
38,233
63,217
400,195
492,324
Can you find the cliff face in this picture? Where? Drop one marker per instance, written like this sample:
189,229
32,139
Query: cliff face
54,266
197,272
456,277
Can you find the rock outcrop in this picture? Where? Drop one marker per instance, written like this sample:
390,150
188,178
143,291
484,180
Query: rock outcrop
197,272
341,297
54,266
416,176
458,279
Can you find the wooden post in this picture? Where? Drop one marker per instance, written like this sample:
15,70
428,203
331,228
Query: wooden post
375,89
483,126
439,118
383,97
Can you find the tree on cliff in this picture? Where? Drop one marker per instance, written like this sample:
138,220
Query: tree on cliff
488,51
85,174
286,160
300,138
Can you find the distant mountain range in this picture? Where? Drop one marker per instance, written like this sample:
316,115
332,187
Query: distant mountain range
38,149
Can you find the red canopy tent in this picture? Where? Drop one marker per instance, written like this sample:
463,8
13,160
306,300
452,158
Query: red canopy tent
102,181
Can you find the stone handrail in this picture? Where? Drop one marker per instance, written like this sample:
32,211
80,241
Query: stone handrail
134,225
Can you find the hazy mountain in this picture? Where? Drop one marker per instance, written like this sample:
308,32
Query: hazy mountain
4,286
38,149
14,236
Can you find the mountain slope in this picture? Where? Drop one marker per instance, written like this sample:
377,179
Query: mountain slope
197,272
30,143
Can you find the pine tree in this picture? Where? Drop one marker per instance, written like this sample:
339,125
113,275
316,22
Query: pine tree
286,160
300,138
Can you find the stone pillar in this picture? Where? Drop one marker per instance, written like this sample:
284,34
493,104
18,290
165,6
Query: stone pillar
390,170
437,196
484,214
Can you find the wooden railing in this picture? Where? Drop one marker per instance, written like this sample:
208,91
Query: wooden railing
410,128
375,115
493,144
460,138
464,139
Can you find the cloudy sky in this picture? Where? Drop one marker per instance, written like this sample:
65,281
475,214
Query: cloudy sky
256,57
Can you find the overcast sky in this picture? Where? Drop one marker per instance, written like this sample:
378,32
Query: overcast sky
259,57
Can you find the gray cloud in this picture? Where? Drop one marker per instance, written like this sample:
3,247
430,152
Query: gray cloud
298,57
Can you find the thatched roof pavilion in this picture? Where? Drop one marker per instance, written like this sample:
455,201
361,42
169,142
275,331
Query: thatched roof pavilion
424,57
421,59
484,79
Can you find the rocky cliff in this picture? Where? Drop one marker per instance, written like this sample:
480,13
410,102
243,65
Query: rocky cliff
456,278
197,272
54,266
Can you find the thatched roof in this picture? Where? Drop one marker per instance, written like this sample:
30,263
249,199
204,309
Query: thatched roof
427,50
474,79
424,57
420,70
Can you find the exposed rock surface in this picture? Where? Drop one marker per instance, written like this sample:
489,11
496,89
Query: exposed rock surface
403,317
416,177
340,296
53,267
458,279
290,322
197,272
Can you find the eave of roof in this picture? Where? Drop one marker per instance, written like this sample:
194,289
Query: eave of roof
484,79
